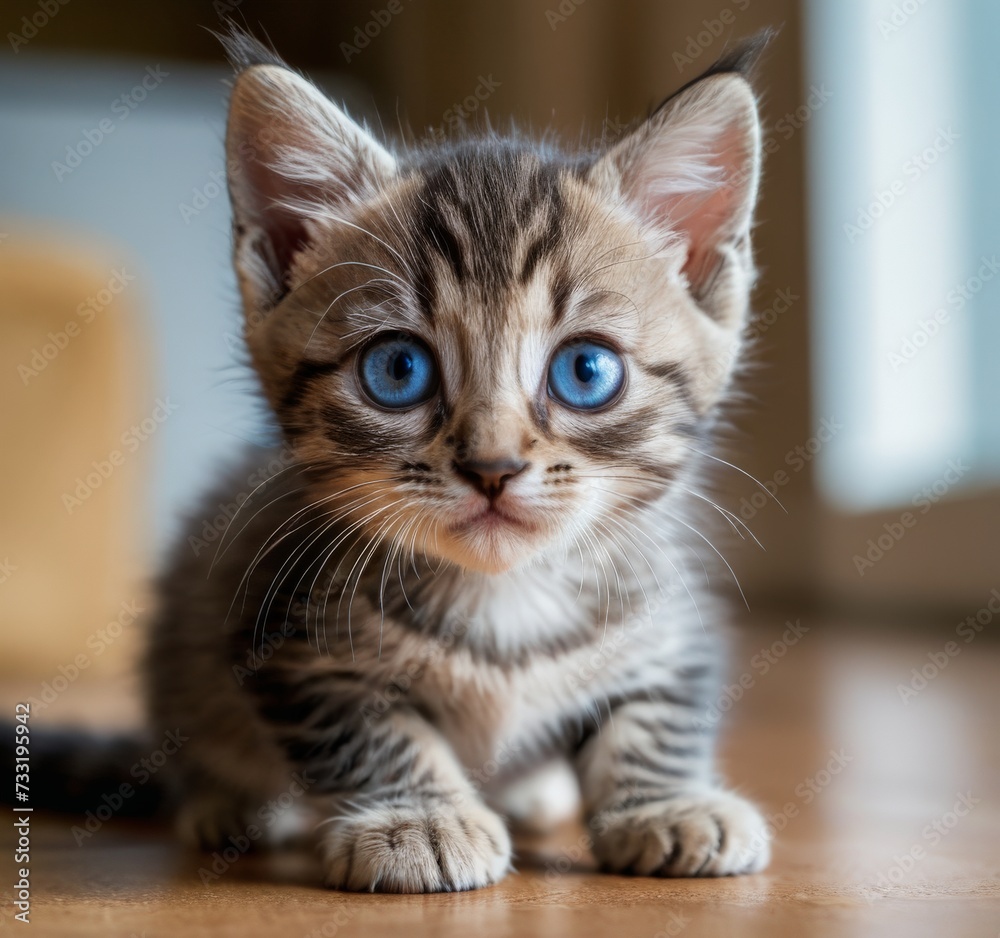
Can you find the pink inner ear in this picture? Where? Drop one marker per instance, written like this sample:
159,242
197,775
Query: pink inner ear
702,218
705,215
264,190
259,193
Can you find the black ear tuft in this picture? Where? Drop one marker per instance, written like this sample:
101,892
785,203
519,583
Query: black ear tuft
745,56
742,59
244,50
294,160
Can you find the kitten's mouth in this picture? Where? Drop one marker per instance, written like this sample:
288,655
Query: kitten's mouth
493,518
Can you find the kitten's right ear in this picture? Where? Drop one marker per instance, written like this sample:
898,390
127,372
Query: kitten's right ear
296,163
691,171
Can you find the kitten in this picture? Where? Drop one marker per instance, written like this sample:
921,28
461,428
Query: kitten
494,367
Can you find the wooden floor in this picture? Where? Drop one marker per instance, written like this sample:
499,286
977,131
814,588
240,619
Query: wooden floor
889,814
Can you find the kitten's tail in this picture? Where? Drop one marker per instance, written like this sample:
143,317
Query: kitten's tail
75,771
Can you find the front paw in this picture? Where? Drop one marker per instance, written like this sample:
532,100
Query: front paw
419,846
711,833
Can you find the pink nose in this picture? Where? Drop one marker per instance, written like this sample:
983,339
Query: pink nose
490,476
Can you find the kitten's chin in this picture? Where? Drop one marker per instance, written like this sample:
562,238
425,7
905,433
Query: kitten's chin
493,563
493,550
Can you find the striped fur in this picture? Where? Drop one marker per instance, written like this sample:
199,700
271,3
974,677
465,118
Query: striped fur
360,623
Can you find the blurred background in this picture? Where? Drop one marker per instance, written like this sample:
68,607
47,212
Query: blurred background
871,418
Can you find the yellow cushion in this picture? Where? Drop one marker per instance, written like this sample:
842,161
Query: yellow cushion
73,381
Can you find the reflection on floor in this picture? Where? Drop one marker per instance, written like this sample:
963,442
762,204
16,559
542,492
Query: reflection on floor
883,787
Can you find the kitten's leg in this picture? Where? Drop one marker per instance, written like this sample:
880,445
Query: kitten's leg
402,815
214,815
210,813
651,801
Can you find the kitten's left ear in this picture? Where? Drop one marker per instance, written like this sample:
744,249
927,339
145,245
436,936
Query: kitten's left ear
295,160
692,170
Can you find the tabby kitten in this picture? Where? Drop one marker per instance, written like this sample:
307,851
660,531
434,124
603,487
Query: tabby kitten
494,366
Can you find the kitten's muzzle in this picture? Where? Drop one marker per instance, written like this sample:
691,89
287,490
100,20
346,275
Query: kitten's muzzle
489,476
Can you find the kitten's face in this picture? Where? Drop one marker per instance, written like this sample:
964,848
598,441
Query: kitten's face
489,354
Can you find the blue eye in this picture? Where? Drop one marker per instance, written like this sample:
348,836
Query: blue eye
398,371
585,375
